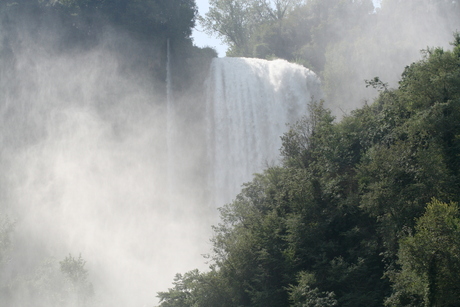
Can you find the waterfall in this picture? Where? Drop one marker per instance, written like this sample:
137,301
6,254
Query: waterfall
89,164
249,103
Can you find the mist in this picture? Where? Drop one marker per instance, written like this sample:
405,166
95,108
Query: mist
87,166
84,172
380,44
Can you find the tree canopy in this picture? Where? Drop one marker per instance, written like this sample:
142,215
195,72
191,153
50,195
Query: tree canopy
173,18
358,214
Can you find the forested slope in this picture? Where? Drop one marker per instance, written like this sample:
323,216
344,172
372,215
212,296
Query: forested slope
362,212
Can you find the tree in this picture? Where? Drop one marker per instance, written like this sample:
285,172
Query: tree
435,79
196,289
430,260
413,159
275,9
303,295
242,23
347,206
75,272
230,20
173,18
151,19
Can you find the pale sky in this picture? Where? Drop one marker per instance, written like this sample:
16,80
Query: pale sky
201,39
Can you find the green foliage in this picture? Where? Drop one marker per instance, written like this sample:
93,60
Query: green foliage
173,18
415,159
435,79
377,83
229,19
196,289
306,135
254,27
83,21
135,33
249,247
430,260
343,220
303,295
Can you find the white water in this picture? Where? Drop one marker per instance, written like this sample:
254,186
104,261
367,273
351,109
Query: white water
249,103
85,166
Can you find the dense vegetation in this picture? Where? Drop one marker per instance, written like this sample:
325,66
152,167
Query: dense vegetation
153,18
362,212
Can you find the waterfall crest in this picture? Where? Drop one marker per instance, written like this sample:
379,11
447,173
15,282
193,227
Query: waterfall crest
249,102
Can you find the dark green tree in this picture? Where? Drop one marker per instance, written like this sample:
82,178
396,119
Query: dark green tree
303,295
197,289
430,260
343,215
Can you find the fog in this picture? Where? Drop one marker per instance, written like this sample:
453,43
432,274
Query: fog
86,165
382,44
84,171
103,160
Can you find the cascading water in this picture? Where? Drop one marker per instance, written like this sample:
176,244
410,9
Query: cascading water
249,103
86,167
